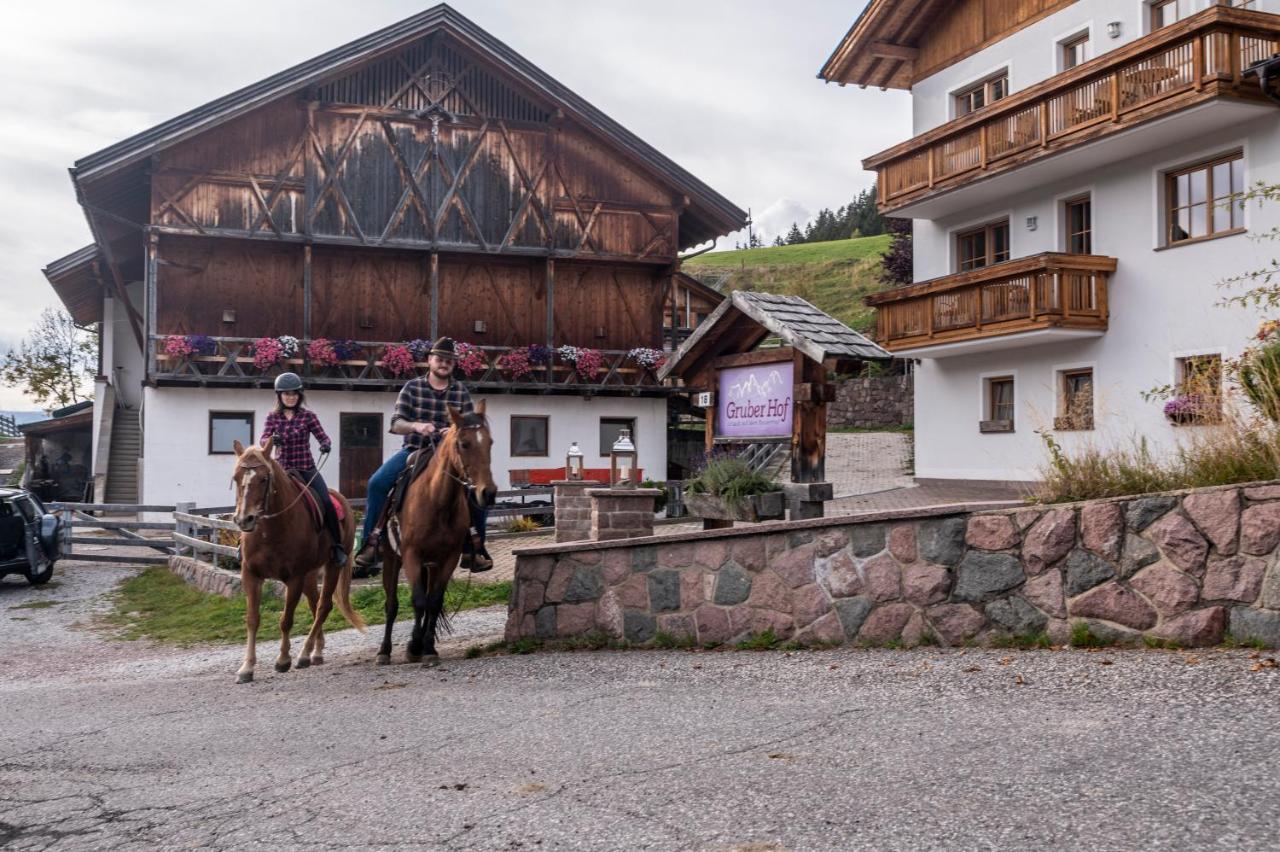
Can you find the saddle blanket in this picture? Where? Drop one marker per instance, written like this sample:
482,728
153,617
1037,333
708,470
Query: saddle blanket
313,506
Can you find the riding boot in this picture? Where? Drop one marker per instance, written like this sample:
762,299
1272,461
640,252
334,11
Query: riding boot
367,559
339,554
475,558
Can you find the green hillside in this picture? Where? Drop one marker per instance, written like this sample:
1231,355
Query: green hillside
833,276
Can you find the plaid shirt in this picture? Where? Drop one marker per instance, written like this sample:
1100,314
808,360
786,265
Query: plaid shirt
293,438
421,403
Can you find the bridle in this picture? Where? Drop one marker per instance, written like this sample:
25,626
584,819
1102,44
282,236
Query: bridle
465,481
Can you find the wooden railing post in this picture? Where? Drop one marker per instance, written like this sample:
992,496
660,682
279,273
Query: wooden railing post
1115,96
1233,56
1044,123
982,145
932,167
1033,297
1197,62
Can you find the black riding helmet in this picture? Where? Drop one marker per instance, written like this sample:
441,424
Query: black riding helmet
288,382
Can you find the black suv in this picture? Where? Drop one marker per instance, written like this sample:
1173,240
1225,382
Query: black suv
29,536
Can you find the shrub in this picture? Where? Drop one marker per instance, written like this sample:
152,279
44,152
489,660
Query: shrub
1260,378
731,480
522,524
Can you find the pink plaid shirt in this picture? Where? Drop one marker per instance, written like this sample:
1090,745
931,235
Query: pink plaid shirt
293,438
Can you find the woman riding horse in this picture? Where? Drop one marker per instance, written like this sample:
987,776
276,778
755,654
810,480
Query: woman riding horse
291,426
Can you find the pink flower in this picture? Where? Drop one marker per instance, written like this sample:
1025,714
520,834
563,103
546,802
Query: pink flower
398,360
178,346
321,352
516,362
471,358
267,352
589,363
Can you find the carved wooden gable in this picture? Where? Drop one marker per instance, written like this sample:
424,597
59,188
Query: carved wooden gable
429,146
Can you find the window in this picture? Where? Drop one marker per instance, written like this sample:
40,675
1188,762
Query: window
529,435
998,405
1074,51
983,246
227,427
1199,200
1079,225
988,91
1165,12
1075,400
611,428
1198,392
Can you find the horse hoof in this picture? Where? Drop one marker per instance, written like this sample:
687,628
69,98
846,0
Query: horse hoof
244,677
284,666
411,657
316,660
431,661
303,663
384,659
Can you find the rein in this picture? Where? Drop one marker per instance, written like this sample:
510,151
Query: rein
301,492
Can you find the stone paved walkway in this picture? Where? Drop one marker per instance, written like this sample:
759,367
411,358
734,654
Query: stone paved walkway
863,462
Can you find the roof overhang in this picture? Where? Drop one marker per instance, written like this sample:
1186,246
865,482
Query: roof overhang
76,280
77,421
880,48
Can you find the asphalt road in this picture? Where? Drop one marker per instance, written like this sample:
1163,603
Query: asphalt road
646,750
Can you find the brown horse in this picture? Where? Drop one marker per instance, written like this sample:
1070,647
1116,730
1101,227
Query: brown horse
434,523
280,542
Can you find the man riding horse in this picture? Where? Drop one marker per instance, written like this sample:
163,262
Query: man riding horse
422,416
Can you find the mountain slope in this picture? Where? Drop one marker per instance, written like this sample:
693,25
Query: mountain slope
834,276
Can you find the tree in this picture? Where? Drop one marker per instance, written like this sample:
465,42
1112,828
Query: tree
55,363
794,237
779,241
897,261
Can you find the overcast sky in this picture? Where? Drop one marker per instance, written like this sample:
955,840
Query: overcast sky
726,88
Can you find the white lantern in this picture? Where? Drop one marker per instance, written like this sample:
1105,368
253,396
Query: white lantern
622,462
573,463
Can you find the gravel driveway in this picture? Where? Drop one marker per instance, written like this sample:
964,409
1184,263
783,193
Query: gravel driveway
126,746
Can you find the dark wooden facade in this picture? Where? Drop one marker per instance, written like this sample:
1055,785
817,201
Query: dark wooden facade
422,181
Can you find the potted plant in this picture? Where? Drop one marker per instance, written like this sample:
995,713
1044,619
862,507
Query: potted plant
1189,408
728,490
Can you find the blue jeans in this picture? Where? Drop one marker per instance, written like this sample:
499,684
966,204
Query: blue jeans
384,479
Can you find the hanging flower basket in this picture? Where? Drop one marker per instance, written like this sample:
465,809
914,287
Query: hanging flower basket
648,360
1190,408
516,363
398,360
587,363
471,358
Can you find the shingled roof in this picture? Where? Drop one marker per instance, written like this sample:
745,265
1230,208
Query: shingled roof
799,324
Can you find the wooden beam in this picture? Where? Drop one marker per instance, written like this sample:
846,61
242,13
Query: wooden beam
435,296
759,356
551,315
885,50
306,291
153,252
808,425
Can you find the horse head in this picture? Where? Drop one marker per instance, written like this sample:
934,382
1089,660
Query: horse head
253,475
473,445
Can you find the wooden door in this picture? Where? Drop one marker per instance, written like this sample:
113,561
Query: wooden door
360,448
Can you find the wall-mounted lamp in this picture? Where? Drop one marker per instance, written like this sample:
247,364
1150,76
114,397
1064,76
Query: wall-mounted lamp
479,327
1033,222
1113,29
366,321
600,332
228,315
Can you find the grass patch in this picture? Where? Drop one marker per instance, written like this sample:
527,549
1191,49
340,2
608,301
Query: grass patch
670,642
1236,450
1160,644
1025,642
765,641
1083,637
834,276
160,606
1230,641
36,605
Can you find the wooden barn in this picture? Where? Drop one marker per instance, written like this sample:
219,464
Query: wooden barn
421,181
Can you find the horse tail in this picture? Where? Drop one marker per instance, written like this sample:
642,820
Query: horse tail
344,599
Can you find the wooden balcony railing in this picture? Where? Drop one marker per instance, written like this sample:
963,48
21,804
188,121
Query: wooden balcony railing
1031,293
1171,69
232,363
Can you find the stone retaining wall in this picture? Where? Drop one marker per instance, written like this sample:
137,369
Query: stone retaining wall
1185,568
873,403
215,581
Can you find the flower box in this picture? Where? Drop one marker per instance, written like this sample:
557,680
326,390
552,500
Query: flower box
758,507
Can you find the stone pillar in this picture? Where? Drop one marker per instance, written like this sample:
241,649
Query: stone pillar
573,509
622,512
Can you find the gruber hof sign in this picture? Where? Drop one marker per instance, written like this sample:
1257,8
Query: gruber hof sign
755,401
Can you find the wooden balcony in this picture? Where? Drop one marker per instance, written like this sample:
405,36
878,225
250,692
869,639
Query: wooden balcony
1059,295
1180,66
231,364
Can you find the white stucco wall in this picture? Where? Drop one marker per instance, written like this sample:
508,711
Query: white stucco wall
1032,54
1163,304
176,463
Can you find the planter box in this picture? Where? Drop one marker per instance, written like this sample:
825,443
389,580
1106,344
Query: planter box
758,507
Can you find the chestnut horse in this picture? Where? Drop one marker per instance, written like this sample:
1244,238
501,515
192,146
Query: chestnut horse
279,541
434,522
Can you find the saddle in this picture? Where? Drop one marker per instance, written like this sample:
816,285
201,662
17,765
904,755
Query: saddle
309,499
390,519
